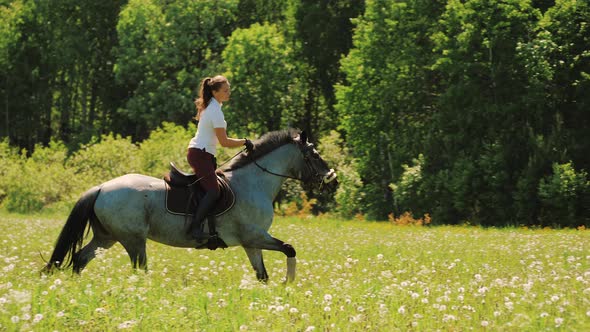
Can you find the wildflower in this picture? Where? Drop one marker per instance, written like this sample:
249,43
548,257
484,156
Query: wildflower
485,323
327,298
447,318
60,314
15,319
293,310
543,314
127,324
310,328
558,321
37,318
243,328
380,256
402,310
327,309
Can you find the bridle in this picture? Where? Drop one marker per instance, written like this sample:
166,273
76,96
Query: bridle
305,152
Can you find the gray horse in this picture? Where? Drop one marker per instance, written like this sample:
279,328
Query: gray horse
131,209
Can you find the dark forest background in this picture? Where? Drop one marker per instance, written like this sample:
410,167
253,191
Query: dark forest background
473,111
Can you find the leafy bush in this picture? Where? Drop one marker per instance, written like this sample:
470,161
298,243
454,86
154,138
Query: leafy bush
564,197
42,179
103,160
348,197
408,190
166,144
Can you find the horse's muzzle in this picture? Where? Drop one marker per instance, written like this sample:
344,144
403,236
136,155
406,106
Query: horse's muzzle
330,176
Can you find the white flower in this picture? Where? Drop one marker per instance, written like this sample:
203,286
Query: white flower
380,256
558,321
485,323
15,319
327,309
37,318
243,328
327,297
310,328
127,324
402,310
544,314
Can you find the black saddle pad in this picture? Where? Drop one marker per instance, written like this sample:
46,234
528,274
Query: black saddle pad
181,200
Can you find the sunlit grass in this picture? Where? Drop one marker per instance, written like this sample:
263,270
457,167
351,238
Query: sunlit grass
351,276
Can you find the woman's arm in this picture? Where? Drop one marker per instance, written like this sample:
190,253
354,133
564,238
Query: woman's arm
228,142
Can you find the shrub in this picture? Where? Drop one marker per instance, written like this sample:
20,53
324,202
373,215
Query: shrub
42,180
166,144
103,160
564,197
348,197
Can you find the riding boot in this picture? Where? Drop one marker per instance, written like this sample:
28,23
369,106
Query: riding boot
205,204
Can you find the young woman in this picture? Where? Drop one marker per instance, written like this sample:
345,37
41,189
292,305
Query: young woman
203,146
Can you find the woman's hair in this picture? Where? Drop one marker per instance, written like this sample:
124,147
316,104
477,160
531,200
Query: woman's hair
208,85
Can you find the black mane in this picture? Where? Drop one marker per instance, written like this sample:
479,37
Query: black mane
265,144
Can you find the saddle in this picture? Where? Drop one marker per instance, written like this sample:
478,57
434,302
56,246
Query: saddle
183,193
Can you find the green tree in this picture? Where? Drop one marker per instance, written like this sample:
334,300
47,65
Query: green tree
266,87
387,98
165,49
322,34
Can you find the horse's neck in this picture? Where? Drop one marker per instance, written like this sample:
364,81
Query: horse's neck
253,179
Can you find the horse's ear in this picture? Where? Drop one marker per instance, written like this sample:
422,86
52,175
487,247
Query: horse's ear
303,137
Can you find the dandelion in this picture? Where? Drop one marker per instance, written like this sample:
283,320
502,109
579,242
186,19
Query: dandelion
402,310
558,321
293,310
544,314
327,309
37,318
327,298
485,323
15,319
126,324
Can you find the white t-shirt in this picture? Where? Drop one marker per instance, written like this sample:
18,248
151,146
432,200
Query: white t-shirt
211,118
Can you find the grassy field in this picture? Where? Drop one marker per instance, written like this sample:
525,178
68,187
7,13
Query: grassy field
351,276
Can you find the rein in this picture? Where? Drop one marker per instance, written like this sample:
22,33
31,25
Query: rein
276,174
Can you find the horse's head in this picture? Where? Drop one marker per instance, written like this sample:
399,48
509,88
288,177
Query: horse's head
315,169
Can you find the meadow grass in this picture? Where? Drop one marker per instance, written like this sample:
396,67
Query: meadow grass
351,276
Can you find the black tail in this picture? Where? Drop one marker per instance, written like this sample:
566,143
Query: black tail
72,235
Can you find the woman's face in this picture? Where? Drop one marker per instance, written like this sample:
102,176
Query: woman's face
223,93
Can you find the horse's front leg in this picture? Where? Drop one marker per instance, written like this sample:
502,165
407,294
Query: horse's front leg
254,245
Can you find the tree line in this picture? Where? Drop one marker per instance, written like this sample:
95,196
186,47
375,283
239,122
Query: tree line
468,111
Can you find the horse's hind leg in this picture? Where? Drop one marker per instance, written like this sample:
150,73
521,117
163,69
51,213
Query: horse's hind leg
255,256
84,256
136,249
